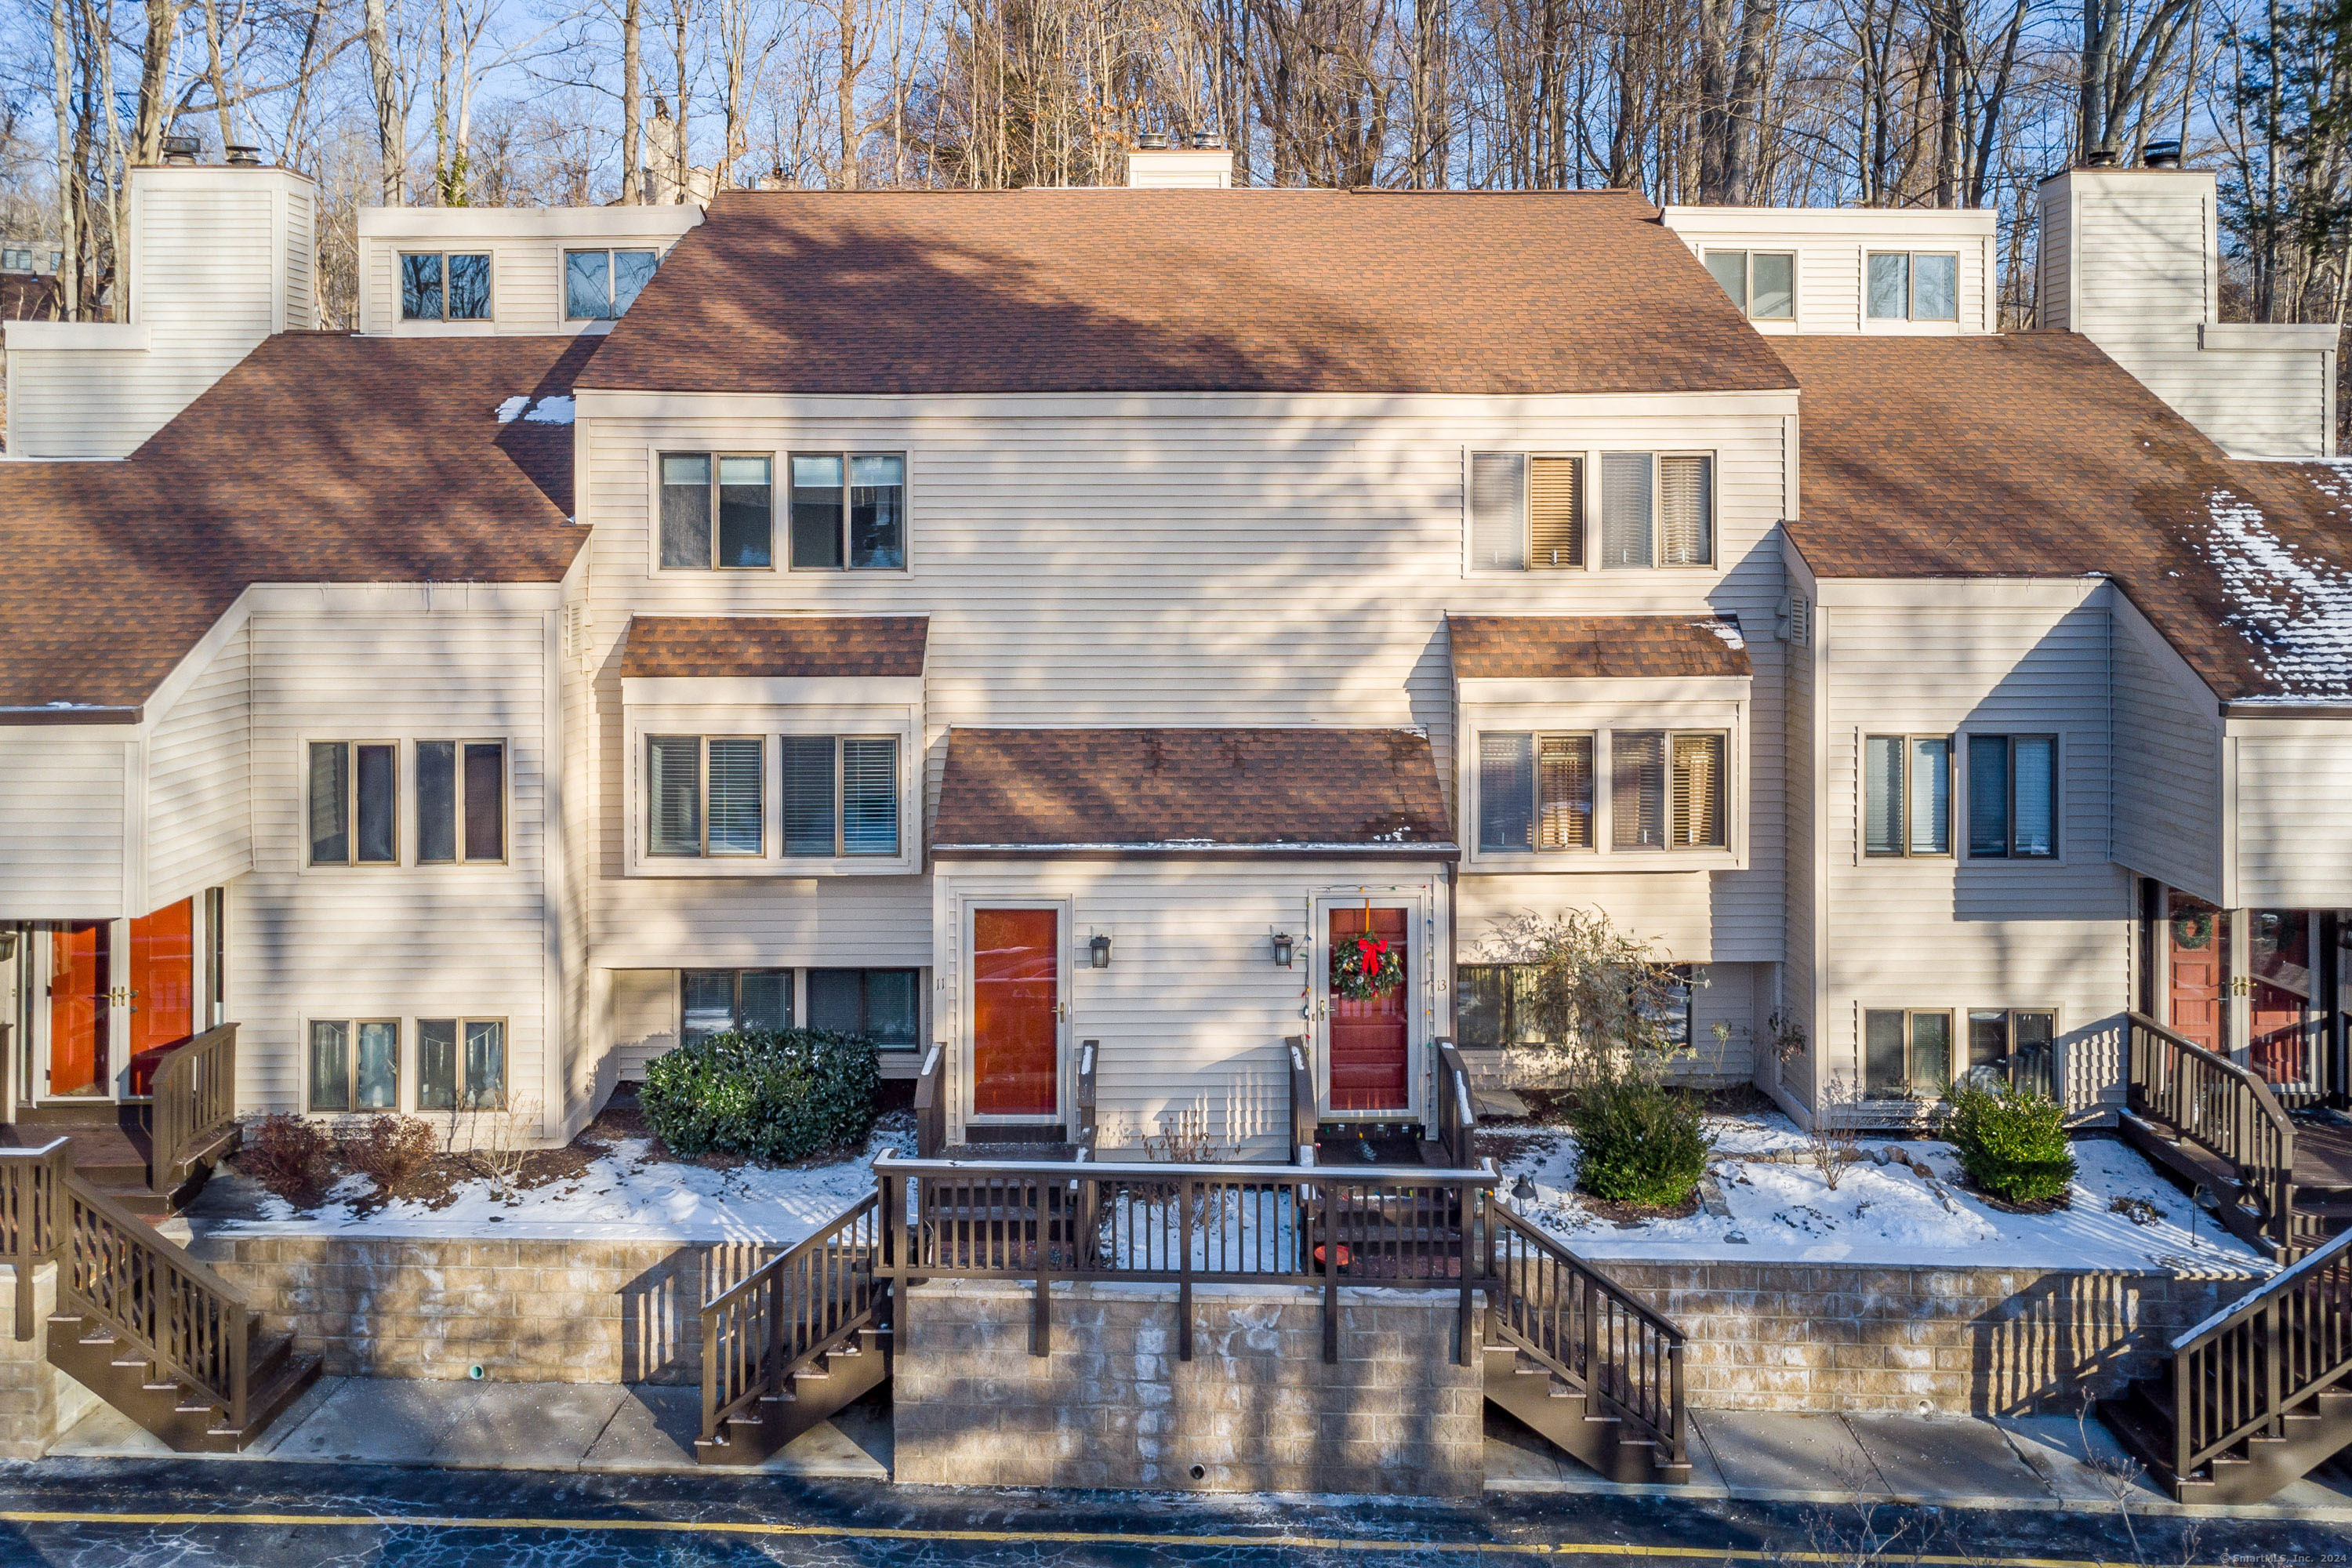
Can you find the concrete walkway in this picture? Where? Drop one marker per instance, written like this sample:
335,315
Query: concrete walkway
2049,1462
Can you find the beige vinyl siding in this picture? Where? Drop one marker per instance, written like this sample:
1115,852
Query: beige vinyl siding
1804,872
526,276
2055,312
301,310
1193,1011
61,820
1957,933
2167,778
1676,911
643,1007
1830,245
2294,795
199,802
404,941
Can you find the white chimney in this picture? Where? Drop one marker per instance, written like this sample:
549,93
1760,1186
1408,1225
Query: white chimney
2131,259
1205,165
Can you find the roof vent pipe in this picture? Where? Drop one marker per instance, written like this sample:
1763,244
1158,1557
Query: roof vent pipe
2161,155
180,149
239,152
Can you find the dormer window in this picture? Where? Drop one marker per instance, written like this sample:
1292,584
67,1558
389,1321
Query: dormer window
1762,283
601,285
1913,286
445,286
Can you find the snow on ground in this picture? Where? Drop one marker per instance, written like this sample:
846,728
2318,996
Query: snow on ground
1786,1213
625,1195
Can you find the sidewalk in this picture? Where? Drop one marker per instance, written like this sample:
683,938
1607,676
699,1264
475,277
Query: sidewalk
1948,1461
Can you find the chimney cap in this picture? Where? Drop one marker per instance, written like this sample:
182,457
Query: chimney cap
2100,158
2165,154
244,153
1152,142
180,148
1206,142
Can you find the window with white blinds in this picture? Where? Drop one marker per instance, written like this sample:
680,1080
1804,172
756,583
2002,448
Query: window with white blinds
1667,791
2012,797
1564,792
809,778
1555,514
735,795
705,796
1906,794
869,796
1498,511
1697,786
841,795
1656,510
1535,792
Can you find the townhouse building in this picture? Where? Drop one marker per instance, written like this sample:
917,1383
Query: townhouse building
1033,629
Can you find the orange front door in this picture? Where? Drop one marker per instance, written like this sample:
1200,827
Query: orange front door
2197,947
78,1008
1017,981
162,986
1368,1051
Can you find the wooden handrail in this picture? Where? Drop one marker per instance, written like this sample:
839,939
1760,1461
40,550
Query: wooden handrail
1302,1101
2238,1374
931,1103
169,1307
194,1090
30,1181
1585,1329
805,1301
1457,1118
1087,1051
2224,1107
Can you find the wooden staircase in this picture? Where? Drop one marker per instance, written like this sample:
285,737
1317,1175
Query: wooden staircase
1556,1409
815,1391
190,1418
2255,1397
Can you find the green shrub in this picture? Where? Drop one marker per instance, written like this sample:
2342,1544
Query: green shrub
2011,1141
1638,1141
781,1096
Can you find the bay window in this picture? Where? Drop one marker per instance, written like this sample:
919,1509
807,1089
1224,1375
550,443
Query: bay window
840,795
1666,790
1535,792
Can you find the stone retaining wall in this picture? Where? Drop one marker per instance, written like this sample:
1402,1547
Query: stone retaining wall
1255,1409
1988,1341
524,1311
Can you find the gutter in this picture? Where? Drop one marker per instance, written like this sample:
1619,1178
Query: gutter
71,713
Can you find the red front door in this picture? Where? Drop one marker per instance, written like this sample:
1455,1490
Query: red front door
1016,978
1368,1051
162,986
78,1008
2197,947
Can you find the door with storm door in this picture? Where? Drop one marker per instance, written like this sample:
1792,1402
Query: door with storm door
1016,1014
1368,1013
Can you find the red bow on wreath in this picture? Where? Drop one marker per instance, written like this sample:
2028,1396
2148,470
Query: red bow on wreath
1370,950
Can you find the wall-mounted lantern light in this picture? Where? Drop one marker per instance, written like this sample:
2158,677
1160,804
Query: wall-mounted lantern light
1282,949
1100,949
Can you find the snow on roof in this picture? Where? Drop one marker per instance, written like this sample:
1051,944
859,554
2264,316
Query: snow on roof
2295,610
1729,630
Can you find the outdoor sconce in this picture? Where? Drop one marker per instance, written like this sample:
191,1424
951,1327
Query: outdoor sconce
1100,949
1282,949
1523,1192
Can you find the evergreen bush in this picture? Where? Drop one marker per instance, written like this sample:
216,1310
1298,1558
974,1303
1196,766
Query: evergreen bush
2011,1141
1638,1141
777,1096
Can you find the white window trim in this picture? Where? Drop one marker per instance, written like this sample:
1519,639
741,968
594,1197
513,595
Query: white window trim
1689,707
563,254
768,721
465,325
1787,323
1911,326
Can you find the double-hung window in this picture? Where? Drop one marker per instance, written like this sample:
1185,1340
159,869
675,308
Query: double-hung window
1907,806
601,285
461,801
879,1005
461,1063
1906,1055
1535,792
1527,513
445,286
716,1001
1913,286
354,808
354,1064
849,512
1762,283
1666,790
718,511
2012,797
1656,510
705,796
840,795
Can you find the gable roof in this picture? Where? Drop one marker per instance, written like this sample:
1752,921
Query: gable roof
1357,792
1556,647
774,645
2034,455
1180,291
321,457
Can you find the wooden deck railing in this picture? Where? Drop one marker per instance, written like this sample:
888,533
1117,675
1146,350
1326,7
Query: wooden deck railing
194,1091
1184,1224
2237,1374
2225,1109
1587,1330
30,1182
1458,1122
784,1314
931,1103
1302,1101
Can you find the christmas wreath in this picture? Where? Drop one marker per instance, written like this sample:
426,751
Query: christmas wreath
1365,966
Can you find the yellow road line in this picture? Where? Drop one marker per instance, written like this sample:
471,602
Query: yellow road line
1018,1536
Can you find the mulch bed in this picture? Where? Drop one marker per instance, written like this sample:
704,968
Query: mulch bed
1626,1217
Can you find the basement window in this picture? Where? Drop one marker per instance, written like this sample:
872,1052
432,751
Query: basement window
1906,1055
601,285
445,286
354,1064
716,1001
461,1063
879,1005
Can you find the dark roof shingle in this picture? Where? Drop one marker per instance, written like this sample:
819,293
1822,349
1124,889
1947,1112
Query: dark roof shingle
774,645
2034,455
1353,791
319,459
1154,290
1556,647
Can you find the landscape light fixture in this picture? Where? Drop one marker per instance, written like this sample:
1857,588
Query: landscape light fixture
1282,946
1100,949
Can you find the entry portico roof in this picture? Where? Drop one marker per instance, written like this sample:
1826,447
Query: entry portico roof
1553,648
1191,791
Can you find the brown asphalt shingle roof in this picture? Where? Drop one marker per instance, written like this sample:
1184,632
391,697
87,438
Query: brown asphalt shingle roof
774,645
1353,791
1557,648
319,459
2033,455
1243,290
